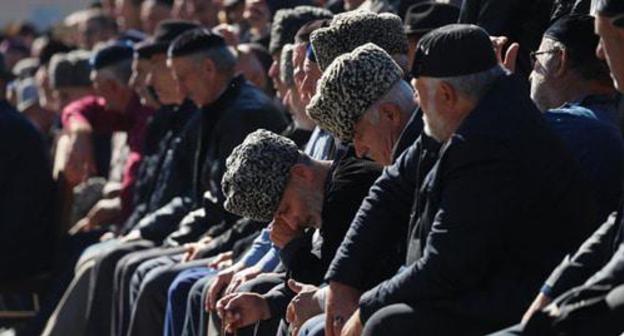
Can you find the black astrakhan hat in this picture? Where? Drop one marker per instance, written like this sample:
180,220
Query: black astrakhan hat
454,50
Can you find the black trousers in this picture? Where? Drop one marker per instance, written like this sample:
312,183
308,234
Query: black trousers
401,319
99,322
121,308
604,318
156,275
196,317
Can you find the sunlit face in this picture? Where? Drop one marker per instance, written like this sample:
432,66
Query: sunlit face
435,125
611,49
107,88
125,13
152,14
300,206
374,140
544,84
274,74
299,55
256,12
161,79
308,86
140,69
190,79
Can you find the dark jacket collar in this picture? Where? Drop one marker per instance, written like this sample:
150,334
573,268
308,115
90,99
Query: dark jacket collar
227,96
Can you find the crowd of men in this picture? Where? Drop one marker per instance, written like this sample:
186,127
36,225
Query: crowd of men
303,167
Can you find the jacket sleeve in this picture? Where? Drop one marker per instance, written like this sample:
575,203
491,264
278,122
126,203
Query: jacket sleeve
157,225
378,227
593,254
477,197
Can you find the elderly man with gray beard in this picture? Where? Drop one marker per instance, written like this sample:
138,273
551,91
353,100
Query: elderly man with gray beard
485,222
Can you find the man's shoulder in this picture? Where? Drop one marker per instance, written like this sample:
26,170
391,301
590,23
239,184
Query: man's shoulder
355,171
251,99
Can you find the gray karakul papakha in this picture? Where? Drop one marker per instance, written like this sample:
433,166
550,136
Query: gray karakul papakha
350,86
256,174
350,30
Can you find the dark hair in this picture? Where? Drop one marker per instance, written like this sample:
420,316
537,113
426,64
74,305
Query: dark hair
194,41
51,47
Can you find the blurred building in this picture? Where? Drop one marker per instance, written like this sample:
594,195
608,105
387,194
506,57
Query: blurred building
42,13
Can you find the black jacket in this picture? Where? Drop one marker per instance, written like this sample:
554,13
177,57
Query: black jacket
221,126
603,251
306,258
26,198
502,204
160,177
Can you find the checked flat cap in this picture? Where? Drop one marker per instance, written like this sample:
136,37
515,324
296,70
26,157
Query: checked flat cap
256,175
350,86
350,30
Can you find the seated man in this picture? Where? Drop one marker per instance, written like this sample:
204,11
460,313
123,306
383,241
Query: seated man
26,195
230,109
485,224
573,87
587,286
268,178
379,128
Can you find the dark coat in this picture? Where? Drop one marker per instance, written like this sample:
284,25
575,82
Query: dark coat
215,131
160,178
500,207
26,198
306,258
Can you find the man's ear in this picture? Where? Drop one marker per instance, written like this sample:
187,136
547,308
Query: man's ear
562,65
391,112
208,67
447,96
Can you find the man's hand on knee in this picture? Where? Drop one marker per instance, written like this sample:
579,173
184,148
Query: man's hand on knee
342,300
239,310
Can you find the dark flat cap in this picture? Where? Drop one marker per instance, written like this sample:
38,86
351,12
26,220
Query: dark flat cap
454,50
165,33
287,23
111,54
193,41
609,8
70,70
256,175
576,33
425,17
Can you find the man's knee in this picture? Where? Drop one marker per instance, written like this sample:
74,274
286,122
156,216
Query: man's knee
392,320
